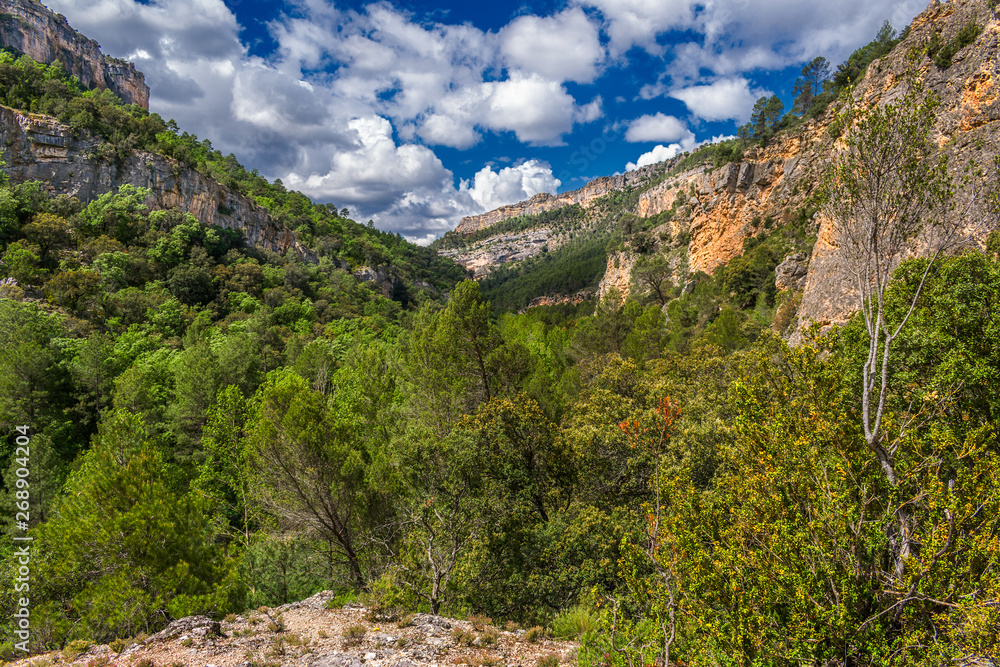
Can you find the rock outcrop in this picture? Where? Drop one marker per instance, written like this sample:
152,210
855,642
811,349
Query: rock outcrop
772,186
28,27
966,130
38,148
484,256
544,202
312,634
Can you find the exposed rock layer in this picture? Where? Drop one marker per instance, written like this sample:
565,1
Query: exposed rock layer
40,148
29,27
719,208
544,202
486,255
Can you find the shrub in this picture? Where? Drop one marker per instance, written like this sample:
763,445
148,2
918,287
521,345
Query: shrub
489,637
354,634
75,649
574,623
462,637
535,634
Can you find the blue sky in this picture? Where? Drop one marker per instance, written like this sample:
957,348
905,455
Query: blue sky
416,113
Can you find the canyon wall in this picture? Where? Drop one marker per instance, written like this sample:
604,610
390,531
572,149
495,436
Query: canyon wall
29,27
716,209
543,202
38,148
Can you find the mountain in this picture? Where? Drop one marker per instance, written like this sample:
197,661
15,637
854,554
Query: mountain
30,28
77,122
699,215
39,148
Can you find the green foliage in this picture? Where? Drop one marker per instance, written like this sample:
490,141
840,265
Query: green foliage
765,117
575,266
851,71
275,428
942,54
100,578
574,623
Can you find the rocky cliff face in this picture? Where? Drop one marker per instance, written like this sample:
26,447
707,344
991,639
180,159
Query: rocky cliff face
40,148
720,208
544,202
482,257
966,130
715,210
29,27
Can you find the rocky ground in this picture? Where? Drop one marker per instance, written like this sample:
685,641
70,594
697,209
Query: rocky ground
308,634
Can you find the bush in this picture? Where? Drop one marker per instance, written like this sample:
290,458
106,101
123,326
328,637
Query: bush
462,637
535,634
354,634
574,623
75,649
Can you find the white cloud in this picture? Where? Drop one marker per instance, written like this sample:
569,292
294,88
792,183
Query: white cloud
537,110
741,36
661,153
492,189
404,187
563,47
725,99
353,136
657,127
736,36
631,23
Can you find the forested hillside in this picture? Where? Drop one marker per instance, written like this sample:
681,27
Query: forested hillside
194,425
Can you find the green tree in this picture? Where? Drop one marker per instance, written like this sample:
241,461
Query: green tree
227,476
313,470
881,192
815,74
21,262
765,117
125,552
118,214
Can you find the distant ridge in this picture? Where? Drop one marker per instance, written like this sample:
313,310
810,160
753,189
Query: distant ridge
543,202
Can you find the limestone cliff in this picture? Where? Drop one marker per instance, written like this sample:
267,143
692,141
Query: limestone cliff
543,202
717,209
29,27
40,148
966,128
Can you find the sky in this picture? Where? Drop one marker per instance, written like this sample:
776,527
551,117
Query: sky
415,113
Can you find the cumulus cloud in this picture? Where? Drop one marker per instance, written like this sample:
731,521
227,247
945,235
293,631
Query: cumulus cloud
740,36
390,182
725,99
492,189
563,47
352,137
728,37
662,153
657,127
631,23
